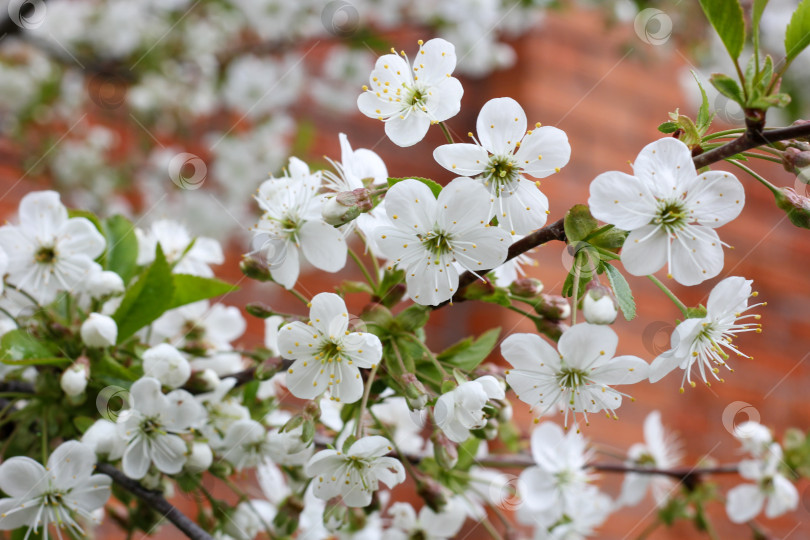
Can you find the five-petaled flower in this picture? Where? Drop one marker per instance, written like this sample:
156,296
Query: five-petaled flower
670,210
327,356
409,98
504,152
356,473
577,377
430,236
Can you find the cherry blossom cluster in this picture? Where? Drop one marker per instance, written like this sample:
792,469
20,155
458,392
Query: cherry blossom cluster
125,381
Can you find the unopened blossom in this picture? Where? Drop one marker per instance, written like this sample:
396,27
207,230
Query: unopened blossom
670,210
599,305
410,98
707,341
153,427
327,355
48,252
355,475
60,495
502,155
74,379
186,257
460,410
430,237
576,379
292,226
166,364
200,458
427,524
99,331
771,489
104,283
553,487
660,450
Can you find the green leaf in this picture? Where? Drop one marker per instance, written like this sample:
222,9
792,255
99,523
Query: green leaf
763,79
607,237
467,354
434,186
122,247
413,317
147,299
622,290
83,423
668,127
466,453
726,16
579,223
37,361
704,117
18,346
188,289
728,87
774,100
797,35
756,16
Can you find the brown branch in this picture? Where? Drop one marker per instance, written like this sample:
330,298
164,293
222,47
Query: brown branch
748,140
156,501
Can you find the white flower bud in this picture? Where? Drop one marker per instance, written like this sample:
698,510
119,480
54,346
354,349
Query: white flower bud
209,378
74,379
166,364
101,284
599,307
99,331
346,206
200,459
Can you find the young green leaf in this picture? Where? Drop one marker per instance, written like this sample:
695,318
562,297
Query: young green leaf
622,290
704,117
579,223
18,345
728,87
668,127
797,36
188,289
467,354
147,299
122,246
756,16
726,16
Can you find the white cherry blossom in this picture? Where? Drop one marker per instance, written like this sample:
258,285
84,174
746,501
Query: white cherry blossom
153,426
291,226
48,252
327,356
771,489
205,325
659,450
504,152
174,240
461,409
577,378
426,524
355,474
409,98
430,236
670,210
707,341
61,494
246,444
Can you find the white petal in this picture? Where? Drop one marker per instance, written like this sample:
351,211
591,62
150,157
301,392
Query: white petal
43,212
298,340
543,152
784,498
743,503
645,251
70,462
364,349
463,159
168,453
501,125
305,380
621,200
716,198
729,296
491,386
697,255
622,370
411,206
526,209
528,351
435,61
80,237
407,130
545,436
666,164
432,284
325,308
481,249
634,488
136,459
583,343
13,516
323,246
449,97
22,477
286,273
463,204
377,107
146,397
370,447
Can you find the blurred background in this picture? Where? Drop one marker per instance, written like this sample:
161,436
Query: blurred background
180,109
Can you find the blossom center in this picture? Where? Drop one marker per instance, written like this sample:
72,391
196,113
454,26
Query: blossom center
416,97
151,426
436,242
45,255
501,173
569,377
672,215
329,351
